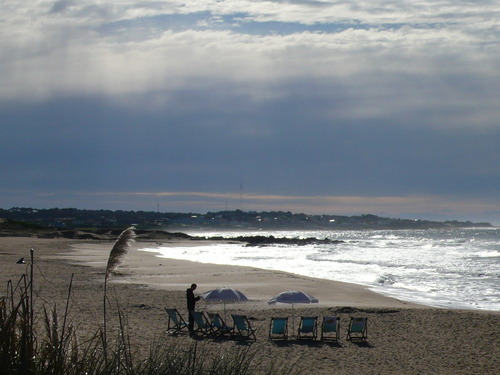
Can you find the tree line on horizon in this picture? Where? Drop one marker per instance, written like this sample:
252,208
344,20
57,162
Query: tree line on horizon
238,219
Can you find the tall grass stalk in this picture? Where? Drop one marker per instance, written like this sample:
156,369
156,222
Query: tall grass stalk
16,330
116,258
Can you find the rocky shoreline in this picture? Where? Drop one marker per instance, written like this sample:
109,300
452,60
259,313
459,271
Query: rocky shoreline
11,230
271,240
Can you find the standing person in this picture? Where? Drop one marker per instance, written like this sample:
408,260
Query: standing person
191,304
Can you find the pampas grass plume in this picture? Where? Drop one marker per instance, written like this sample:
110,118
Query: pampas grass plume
119,250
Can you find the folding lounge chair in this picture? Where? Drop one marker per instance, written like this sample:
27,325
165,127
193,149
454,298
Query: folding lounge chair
202,324
242,327
308,327
176,323
358,329
330,328
278,329
218,325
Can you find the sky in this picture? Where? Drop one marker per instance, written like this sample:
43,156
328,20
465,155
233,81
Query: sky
345,107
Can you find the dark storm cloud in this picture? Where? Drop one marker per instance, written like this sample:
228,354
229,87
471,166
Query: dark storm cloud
285,145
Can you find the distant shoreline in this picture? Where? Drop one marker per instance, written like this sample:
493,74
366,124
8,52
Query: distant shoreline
10,228
72,218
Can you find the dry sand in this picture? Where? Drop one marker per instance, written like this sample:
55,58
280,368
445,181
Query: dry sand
403,338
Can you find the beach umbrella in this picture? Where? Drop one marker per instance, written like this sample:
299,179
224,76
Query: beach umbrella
224,295
292,297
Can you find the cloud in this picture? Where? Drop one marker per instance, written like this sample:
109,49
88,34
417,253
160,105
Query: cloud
291,98
286,145
79,50
372,80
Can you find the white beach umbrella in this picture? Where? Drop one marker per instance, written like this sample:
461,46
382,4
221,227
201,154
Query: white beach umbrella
292,297
224,295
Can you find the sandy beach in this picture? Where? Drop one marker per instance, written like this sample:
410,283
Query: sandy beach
403,338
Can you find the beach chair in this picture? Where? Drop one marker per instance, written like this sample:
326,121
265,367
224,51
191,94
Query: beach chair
330,328
176,323
218,325
358,329
278,329
242,327
203,326
308,327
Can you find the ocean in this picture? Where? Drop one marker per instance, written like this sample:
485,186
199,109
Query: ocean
452,268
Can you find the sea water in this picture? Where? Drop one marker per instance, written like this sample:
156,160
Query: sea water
454,268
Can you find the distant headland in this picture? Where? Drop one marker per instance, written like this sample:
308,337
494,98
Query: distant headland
101,220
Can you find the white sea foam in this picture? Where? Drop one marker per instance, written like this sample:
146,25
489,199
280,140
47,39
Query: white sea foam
458,268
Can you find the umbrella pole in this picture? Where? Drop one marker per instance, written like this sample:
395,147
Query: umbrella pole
293,322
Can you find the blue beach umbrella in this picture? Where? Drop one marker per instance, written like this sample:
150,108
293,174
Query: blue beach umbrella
224,295
292,297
